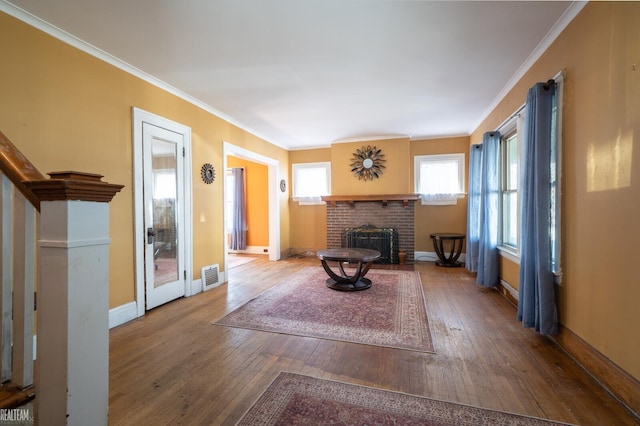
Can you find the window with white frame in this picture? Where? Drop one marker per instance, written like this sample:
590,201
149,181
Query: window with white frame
439,178
510,174
556,177
509,179
310,181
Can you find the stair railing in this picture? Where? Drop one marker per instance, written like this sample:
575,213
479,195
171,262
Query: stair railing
19,209
59,228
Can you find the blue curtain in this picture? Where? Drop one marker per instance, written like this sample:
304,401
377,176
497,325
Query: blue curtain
239,218
537,298
473,208
489,211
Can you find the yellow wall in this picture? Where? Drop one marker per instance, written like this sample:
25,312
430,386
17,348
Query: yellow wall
600,53
431,219
66,110
308,223
257,200
395,178
509,272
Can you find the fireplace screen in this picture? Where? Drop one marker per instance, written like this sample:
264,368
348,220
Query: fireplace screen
383,240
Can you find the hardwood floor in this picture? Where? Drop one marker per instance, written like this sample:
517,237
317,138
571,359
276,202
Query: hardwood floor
173,367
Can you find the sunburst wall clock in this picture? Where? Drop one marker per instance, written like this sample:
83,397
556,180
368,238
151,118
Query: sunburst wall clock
367,163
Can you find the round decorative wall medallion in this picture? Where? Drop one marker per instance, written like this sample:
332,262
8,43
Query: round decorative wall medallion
283,185
366,163
208,173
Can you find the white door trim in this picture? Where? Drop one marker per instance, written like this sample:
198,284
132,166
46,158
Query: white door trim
139,117
274,204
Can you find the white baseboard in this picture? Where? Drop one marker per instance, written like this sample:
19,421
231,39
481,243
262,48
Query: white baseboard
252,250
129,311
512,291
431,256
123,313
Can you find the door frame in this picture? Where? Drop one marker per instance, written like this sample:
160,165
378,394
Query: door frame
273,166
139,117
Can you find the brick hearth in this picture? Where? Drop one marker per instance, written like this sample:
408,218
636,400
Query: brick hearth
394,214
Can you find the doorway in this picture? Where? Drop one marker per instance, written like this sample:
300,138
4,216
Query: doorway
271,189
162,191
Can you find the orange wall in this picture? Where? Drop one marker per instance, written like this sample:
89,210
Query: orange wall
599,53
66,110
257,200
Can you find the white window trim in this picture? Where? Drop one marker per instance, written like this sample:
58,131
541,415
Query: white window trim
517,119
516,122
557,265
440,199
315,200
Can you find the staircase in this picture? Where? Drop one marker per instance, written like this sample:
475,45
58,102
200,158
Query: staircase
19,214
54,236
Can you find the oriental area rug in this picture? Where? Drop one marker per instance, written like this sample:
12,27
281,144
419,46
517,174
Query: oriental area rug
391,313
294,399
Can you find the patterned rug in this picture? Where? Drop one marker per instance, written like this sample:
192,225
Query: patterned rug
391,313
296,399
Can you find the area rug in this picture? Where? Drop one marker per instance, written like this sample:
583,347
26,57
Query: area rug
391,313
294,399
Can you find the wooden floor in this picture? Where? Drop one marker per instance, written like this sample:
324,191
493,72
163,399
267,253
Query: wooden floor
173,367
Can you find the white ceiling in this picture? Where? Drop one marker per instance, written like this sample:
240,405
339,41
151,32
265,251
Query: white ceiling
307,73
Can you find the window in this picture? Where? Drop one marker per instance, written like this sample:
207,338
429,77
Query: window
311,181
510,171
164,184
439,179
509,176
556,177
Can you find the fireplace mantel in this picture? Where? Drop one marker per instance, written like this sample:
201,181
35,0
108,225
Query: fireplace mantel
384,198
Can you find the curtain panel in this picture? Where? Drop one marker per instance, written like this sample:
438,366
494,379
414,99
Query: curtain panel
239,214
537,298
473,208
489,211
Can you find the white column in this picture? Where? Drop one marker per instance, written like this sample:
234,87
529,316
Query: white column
72,385
72,365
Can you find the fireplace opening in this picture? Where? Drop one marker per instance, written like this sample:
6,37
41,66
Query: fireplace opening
384,240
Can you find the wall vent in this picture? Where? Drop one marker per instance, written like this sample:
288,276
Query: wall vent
210,276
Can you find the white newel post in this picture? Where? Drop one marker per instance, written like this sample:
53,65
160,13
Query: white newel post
72,365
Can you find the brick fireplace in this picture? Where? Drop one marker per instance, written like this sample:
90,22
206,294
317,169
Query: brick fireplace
383,211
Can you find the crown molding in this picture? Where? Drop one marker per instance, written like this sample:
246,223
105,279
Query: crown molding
568,16
70,39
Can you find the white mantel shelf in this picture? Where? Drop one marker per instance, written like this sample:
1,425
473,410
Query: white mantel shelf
383,198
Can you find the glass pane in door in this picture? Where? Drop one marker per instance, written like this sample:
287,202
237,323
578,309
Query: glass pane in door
165,253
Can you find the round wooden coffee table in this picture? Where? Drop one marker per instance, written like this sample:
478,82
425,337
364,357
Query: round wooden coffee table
345,282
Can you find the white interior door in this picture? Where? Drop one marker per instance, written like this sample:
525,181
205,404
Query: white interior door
163,182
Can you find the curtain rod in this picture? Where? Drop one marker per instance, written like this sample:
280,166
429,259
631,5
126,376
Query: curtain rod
511,117
558,76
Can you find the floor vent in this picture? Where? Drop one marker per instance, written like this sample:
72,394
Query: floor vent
210,276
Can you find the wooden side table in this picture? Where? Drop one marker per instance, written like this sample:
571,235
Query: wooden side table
449,259
344,281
